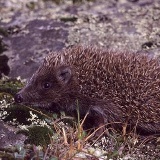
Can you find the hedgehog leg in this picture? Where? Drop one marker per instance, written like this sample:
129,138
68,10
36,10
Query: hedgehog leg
95,121
149,129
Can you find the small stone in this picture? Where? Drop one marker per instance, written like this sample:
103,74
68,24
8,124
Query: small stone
98,153
91,150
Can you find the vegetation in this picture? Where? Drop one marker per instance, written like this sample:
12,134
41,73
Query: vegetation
60,137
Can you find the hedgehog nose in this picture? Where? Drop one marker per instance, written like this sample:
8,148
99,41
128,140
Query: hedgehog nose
18,98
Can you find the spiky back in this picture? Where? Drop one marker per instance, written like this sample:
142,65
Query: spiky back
131,80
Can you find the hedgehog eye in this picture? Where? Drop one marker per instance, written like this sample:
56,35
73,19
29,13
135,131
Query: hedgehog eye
46,85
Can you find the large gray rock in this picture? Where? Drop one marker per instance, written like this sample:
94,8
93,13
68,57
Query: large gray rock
36,27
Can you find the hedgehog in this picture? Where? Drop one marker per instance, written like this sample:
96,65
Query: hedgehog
113,88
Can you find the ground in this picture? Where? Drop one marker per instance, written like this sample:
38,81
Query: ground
30,29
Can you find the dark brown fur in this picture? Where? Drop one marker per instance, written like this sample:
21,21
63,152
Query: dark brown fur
115,88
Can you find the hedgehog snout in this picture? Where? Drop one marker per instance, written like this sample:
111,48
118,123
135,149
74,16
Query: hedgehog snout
18,98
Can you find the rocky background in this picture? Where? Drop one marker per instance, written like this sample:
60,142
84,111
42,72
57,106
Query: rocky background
30,29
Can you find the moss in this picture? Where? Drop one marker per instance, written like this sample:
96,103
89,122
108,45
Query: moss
38,135
10,86
14,112
25,117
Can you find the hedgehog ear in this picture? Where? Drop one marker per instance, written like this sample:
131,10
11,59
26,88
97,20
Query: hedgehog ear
64,74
